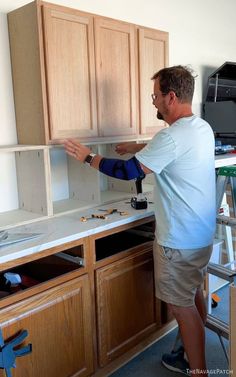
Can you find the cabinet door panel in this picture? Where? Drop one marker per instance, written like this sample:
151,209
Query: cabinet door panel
125,305
153,55
70,72
115,67
60,330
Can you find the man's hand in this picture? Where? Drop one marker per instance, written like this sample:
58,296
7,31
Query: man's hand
76,150
130,147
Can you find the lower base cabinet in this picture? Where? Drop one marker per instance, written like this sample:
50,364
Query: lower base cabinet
88,303
126,310
60,329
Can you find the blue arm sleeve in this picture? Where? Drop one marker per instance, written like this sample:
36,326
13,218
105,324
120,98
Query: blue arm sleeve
121,169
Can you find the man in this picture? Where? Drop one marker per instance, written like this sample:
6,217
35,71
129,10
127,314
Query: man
182,160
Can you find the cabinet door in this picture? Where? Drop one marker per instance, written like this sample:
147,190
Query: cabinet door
153,55
116,77
60,330
70,73
125,304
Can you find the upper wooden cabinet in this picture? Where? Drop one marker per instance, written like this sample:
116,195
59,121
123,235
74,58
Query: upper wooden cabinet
70,73
80,75
52,52
153,55
116,80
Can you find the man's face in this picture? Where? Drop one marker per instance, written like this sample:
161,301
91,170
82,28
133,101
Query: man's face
159,101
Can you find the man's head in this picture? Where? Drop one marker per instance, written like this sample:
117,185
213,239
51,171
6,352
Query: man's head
173,86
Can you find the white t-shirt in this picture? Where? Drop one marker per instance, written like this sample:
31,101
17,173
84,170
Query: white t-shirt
182,159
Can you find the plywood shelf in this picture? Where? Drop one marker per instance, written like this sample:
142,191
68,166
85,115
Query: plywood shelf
18,217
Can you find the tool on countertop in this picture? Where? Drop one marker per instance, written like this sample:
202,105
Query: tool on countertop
139,201
8,354
107,212
93,216
110,211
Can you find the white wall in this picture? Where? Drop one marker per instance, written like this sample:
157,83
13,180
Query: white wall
202,33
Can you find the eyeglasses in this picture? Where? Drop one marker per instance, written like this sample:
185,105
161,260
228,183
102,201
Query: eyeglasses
155,96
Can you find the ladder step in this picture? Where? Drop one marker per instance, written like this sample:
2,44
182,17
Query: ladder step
228,171
218,326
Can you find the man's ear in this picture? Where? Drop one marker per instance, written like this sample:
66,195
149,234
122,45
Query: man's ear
172,97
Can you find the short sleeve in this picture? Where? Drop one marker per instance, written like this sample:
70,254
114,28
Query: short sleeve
158,153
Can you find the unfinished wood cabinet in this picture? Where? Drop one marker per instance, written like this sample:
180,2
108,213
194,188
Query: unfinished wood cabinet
79,75
52,53
116,77
153,56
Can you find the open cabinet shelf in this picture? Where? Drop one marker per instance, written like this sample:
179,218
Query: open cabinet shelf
48,182
29,185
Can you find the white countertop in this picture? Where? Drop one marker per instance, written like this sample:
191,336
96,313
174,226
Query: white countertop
66,228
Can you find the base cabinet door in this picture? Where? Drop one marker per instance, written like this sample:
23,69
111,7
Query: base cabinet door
125,304
59,325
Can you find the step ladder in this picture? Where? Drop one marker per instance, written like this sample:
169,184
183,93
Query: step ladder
225,176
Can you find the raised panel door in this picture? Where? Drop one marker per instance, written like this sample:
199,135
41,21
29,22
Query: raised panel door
125,304
59,327
70,73
153,55
116,77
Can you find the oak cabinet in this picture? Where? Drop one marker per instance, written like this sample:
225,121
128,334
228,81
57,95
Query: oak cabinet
54,304
126,309
84,303
60,329
80,75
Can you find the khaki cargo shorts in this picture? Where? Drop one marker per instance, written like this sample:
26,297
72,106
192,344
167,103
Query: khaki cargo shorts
179,272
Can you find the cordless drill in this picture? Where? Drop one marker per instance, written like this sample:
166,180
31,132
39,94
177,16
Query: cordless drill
139,201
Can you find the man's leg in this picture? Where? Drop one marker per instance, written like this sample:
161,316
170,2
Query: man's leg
193,336
201,305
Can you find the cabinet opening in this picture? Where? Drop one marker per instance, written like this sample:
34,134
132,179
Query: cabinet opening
121,241
41,270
